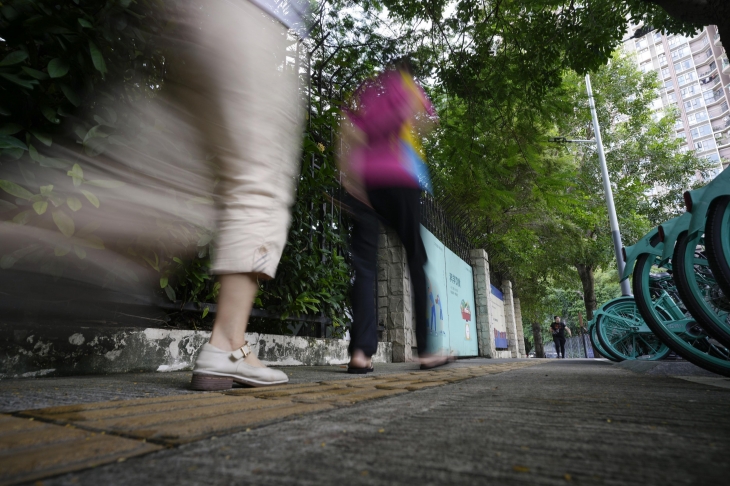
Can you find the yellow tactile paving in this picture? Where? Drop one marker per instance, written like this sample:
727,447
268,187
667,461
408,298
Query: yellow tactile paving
54,440
32,450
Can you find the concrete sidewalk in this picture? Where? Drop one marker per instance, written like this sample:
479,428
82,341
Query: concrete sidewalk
474,422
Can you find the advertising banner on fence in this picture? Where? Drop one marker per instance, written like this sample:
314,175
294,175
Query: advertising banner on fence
450,300
438,330
462,320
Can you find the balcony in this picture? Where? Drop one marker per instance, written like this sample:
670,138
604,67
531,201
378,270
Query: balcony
708,71
702,58
702,42
716,39
721,125
725,65
718,111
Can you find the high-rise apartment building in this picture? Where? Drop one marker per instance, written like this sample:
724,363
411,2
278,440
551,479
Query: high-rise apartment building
695,77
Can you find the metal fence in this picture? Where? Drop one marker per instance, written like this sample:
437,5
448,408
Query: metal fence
575,347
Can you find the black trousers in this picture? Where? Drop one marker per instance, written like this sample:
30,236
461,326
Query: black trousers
559,346
400,209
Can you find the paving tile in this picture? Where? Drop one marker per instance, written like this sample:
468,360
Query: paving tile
92,413
365,394
193,430
36,450
429,384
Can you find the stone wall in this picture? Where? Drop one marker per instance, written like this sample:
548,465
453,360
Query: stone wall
520,330
509,317
482,291
394,296
73,350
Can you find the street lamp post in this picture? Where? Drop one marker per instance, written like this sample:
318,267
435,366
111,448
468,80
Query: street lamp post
612,219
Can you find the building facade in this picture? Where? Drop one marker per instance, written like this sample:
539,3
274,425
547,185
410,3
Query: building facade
694,73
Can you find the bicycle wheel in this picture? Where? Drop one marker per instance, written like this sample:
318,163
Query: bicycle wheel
622,331
717,241
597,345
698,288
665,314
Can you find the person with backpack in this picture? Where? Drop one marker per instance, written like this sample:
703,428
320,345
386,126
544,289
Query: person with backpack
383,171
558,329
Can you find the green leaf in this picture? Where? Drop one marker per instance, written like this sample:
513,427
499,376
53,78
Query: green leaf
46,190
34,154
15,190
10,128
91,197
15,153
90,241
23,217
18,80
97,58
40,206
205,311
7,261
34,73
86,24
73,203
8,142
64,222
14,58
42,137
50,114
163,282
71,95
105,183
58,68
170,293
6,206
80,252
177,260
77,174
61,250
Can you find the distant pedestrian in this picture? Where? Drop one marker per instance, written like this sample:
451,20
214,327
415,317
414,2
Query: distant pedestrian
558,329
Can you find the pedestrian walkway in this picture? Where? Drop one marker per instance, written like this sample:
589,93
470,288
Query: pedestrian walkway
477,421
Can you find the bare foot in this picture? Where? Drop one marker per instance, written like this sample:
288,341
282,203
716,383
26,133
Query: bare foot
434,360
359,360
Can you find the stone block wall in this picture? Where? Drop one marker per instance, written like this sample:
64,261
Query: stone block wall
394,296
482,290
520,330
509,317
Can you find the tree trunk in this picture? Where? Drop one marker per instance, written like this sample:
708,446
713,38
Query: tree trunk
537,337
589,288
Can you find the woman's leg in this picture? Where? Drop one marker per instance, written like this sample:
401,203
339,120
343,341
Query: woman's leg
401,209
364,248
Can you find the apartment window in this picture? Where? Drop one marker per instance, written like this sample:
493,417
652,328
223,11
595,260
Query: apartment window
690,91
678,125
682,136
665,72
705,145
672,97
708,53
680,53
723,107
686,78
712,96
697,117
683,65
663,59
646,67
641,44
701,131
657,36
676,39
693,104
713,158
669,84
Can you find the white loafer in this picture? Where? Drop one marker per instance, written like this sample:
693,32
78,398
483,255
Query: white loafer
216,369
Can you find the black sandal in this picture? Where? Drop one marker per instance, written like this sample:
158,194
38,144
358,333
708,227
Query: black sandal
353,370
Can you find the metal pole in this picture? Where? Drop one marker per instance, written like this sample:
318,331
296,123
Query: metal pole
613,220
